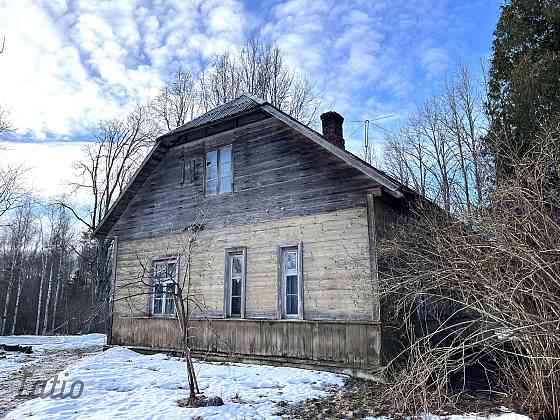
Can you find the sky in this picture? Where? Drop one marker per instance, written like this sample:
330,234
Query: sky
71,63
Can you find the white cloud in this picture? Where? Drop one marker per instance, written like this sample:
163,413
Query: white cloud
69,64
49,165
434,60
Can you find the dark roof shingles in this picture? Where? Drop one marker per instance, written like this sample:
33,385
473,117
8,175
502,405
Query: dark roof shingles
237,106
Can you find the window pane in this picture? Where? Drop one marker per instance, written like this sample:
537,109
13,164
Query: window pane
170,305
291,285
292,305
212,164
212,186
236,305
236,265
225,169
171,270
212,172
225,185
157,306
291,261
236,287
225,154
159,270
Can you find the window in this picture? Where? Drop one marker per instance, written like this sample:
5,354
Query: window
163,281
291,292
219,171
234,303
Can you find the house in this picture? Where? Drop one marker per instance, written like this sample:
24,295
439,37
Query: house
286,262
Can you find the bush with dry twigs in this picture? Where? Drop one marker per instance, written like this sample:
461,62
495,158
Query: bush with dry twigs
474,304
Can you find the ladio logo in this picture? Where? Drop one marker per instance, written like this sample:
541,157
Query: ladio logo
39,388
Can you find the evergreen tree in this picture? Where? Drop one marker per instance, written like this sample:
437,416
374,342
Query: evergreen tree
524,82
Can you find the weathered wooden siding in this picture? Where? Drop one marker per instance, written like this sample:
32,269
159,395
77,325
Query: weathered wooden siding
341,344
336,267
278,173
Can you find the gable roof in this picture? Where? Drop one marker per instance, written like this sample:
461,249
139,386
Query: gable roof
243,104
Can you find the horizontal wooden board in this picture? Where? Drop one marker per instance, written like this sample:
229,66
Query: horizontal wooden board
277,173
336,270
346,344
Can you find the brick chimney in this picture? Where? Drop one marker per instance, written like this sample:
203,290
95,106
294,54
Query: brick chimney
332,128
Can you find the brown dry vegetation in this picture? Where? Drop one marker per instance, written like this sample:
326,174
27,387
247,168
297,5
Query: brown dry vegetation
475,303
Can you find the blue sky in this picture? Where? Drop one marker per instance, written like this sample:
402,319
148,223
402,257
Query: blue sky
71,63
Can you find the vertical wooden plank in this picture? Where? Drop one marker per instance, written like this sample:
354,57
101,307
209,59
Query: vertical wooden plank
372,235
114,286
315,341
244,283
279,297
374,345
300,282
226,284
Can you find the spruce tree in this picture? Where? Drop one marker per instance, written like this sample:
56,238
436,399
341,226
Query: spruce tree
524,79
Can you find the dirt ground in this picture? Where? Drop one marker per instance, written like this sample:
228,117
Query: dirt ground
358,399
37,367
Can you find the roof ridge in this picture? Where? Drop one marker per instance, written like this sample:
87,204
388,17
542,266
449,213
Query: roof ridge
252,97
240,104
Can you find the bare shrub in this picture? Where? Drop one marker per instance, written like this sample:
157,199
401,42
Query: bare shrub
476,306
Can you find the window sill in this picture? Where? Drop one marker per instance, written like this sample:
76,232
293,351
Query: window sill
216,196
163,316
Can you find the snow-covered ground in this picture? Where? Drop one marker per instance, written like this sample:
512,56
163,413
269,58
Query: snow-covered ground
122,384
42,345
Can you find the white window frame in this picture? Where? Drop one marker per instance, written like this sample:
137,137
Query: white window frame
165,283
219,174
229,254
283,273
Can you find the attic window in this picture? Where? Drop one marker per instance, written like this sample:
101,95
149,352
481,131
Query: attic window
219,171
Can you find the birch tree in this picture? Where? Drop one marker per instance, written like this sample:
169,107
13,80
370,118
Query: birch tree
20,234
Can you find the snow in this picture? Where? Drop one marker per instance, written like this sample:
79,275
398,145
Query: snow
54,342
41,346
122,384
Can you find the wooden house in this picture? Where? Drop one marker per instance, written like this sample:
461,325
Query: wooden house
286,262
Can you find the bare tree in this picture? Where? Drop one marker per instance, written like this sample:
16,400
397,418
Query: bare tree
4,121
178,102
119,147
44,260
5,124
406,158
171,291
12,189
109,164
20,234
475,306
258,69
438,152
59,237
26,273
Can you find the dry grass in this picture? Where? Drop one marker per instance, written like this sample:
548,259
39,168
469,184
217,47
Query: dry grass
476,303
